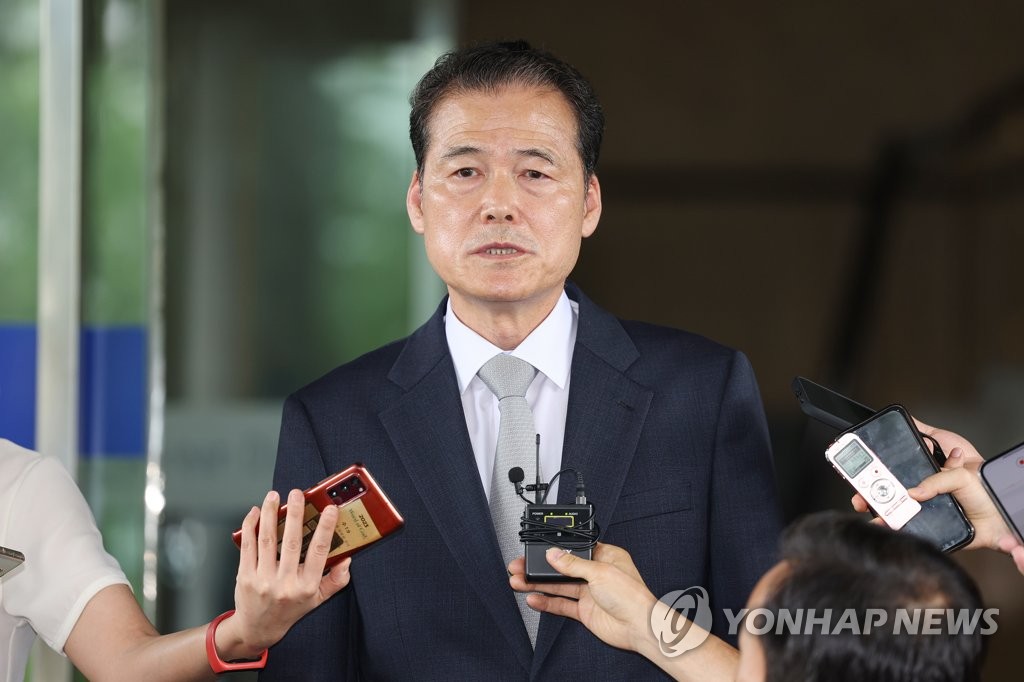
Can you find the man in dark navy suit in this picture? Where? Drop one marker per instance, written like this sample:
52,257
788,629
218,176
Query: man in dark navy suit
666,427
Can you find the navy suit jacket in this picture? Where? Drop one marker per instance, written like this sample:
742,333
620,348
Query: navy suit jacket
669,432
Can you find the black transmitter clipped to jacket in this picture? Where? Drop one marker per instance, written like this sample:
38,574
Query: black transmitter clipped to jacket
570,527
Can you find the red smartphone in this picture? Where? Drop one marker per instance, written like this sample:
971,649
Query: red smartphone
365,513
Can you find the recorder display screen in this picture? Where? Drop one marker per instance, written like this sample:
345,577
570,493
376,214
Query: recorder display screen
853,458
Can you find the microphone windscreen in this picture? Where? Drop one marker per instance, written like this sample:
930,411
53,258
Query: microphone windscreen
516,475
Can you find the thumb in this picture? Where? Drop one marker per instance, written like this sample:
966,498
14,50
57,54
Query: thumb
569,564
947,481
335,580
955,459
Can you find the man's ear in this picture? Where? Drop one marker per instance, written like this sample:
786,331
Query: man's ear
413,203
591,206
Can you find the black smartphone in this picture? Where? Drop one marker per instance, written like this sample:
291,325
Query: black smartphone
1003,476
9,560
892,436
827,406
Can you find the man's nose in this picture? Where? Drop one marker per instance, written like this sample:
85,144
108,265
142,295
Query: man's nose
499,200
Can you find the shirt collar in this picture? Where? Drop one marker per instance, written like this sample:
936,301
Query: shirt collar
548,347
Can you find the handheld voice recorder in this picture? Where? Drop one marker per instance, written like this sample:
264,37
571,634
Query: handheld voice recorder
860,466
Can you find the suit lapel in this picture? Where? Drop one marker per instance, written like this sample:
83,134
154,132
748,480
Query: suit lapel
427,428
605,416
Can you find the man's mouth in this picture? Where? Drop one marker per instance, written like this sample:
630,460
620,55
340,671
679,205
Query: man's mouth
500,249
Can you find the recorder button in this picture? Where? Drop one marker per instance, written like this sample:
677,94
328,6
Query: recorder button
882,490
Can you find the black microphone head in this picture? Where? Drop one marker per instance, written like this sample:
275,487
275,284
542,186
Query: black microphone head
516,475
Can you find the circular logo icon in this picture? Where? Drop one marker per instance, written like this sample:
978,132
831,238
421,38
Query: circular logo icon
675,629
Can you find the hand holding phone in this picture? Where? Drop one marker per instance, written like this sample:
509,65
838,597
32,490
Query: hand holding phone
365,514
892,435
272,588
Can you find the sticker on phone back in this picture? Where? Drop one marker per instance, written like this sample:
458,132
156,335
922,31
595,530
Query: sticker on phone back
354,529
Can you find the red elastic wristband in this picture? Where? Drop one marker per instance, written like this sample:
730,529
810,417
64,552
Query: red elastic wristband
220,666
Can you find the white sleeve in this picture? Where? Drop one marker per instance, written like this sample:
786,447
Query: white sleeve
65,563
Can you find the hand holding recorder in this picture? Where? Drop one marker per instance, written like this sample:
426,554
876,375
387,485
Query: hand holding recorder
613,602
966,475
903,461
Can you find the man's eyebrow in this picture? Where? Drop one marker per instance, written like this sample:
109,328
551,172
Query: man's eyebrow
469,150
464,150
533,152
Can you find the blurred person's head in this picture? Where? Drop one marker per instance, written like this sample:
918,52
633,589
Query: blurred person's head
834,563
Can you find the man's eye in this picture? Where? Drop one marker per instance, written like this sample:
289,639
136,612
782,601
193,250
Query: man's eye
465,172
534,174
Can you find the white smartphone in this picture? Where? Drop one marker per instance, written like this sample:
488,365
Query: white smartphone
9,559
862,468
1003,476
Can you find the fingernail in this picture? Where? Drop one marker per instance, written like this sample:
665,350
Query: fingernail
914,491
957,452
295,496
555,553
271,496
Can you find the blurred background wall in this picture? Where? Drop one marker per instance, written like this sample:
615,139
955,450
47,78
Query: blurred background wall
837,189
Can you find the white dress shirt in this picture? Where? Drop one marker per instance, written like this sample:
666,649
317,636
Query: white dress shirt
548,348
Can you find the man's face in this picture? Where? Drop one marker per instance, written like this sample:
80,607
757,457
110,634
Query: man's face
753,667
502,203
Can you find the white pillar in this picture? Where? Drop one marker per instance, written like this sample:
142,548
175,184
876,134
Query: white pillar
60,200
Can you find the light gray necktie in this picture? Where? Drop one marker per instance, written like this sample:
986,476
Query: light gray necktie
508,378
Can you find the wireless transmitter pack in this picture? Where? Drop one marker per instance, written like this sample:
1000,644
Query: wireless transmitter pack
568,526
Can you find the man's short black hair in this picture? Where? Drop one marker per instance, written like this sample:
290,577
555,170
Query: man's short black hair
839,562
491,66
